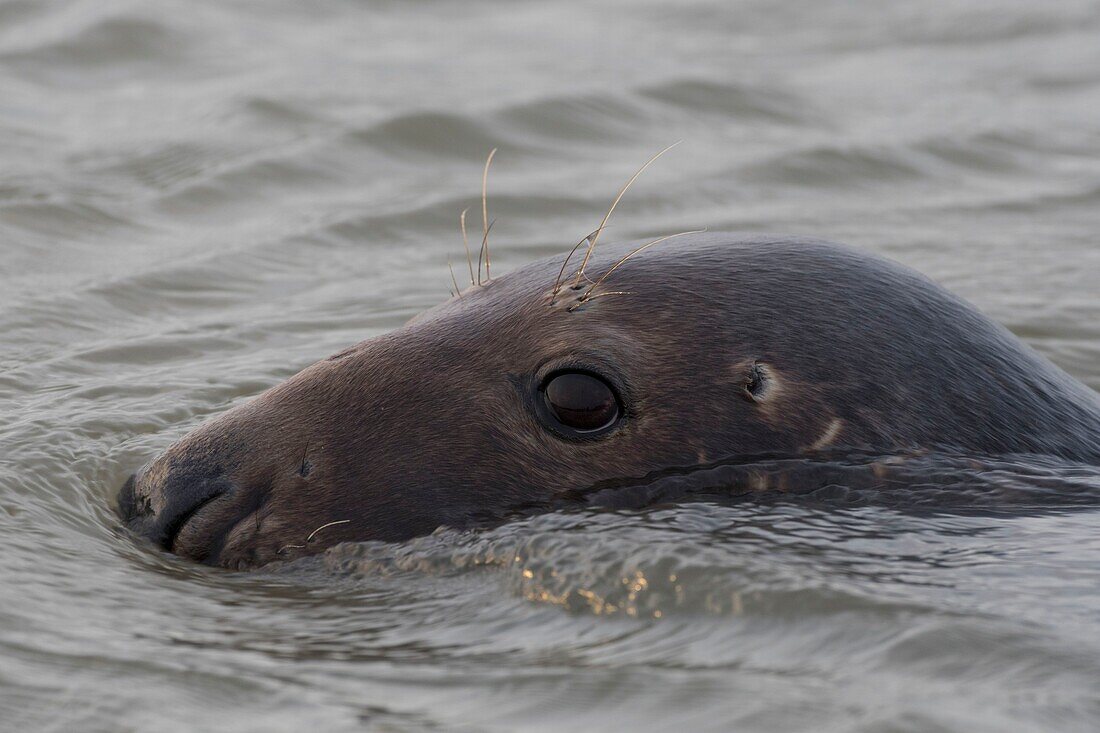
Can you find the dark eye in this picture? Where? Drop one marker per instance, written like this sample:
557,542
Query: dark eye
580,401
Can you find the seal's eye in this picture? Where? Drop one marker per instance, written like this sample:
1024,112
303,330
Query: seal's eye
580,401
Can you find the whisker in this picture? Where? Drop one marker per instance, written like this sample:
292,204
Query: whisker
618,198
581,302
485,225
484,246
309,539
323,526
557,282
454,280
466,243
614,267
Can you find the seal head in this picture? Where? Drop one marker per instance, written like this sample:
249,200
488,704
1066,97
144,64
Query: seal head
512,396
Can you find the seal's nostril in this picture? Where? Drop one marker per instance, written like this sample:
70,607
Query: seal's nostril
176,523
186,495
158,504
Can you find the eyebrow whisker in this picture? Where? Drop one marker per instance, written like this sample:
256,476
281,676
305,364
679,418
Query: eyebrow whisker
485,223
557,281
618,198
588,293
466,243
581,302
484,248
458,290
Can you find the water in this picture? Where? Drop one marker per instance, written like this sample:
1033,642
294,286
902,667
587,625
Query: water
199,198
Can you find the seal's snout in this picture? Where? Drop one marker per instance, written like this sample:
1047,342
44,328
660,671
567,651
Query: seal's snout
183,508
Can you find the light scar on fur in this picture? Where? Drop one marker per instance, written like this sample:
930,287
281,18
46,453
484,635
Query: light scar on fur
831,433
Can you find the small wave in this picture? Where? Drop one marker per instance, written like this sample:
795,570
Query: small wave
738,103
434,134
165,166
125,44
695,559
937,480
72,220
575,119
832,166
773,555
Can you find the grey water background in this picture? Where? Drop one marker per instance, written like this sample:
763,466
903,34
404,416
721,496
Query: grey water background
198,198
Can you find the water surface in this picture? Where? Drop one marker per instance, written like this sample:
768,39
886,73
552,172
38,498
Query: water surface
199,197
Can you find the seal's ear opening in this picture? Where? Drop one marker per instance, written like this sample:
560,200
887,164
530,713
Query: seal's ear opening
578,404
756,382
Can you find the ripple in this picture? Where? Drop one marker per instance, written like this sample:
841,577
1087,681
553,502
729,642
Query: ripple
71,221
833,166
691,560
433,134
120,44
767,103
164,168
574,119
